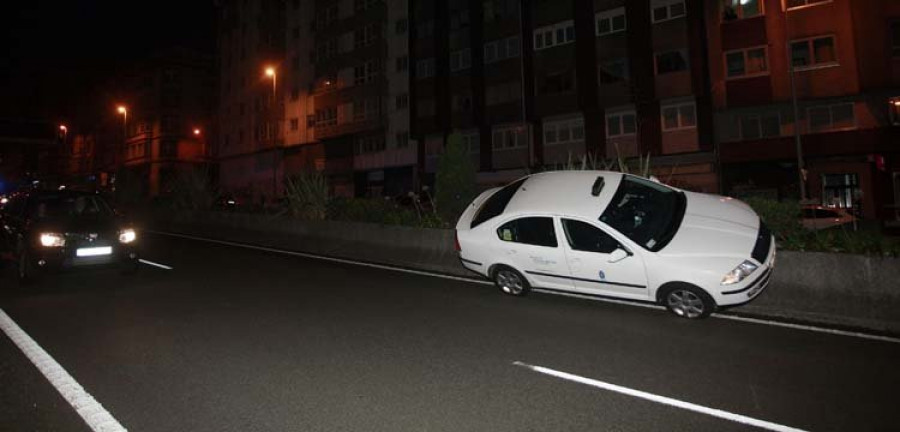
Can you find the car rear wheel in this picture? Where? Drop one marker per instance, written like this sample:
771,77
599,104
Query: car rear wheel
689,302
510,281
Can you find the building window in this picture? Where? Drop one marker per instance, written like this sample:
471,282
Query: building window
402,101
794,4
814,52
621,123
361,5
613,71
401,26
295,123
756,126
831,117
554,83
609,22
369,144
364,73
559,132
558,34
746,63
295,94
840,190
401,140
326,116
671,61
665,10
895,39
508,138
366,109
326,16
503,93
460,60
502,49
365,36
472,142
741,9
425,68
462,102
678,116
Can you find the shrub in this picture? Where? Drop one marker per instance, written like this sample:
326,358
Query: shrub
784,219
455,182
192,189
306,195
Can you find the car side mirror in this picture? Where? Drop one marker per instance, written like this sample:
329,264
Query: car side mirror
618,255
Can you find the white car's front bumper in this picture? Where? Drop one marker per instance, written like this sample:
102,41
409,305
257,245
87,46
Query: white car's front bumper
752,287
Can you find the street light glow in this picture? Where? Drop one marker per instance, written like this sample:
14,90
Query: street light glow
122,109
63,128
196,131
270,72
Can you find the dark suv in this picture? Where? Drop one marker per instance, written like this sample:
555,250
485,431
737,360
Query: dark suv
45,231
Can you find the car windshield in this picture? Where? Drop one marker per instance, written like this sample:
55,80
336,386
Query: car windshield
646,212
69,206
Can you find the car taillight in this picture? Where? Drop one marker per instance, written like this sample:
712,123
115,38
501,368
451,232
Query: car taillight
456,242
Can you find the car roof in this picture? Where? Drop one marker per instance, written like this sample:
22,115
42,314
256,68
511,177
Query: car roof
565,193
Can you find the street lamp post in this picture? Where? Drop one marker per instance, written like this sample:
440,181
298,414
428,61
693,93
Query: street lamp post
798,143
271,73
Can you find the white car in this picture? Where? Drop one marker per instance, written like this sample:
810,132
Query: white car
617,235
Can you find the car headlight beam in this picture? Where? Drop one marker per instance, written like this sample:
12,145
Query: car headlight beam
740,272
127,236
52,240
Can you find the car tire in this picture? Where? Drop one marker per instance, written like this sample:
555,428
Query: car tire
687,301
510,281
131,268
27,274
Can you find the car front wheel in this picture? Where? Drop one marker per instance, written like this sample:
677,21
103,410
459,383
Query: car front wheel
510,281
688,302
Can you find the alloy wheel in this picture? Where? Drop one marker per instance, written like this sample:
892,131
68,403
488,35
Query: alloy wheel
685,303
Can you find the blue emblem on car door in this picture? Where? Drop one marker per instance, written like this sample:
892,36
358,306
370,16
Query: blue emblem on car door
602,275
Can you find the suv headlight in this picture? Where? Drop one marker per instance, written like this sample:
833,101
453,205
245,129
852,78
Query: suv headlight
739,273
127,235
52,240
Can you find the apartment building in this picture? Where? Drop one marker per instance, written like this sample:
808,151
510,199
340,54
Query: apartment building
840,61
253,78
166,117
533,84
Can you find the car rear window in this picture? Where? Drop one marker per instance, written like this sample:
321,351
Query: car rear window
496,204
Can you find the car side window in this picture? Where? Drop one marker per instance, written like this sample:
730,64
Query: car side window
537,231
826,214
588,238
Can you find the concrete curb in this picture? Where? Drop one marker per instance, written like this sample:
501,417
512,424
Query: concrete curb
848,291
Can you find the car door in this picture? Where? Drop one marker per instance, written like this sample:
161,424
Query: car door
600,264
530,245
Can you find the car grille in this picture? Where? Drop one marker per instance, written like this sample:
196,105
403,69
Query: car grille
763,242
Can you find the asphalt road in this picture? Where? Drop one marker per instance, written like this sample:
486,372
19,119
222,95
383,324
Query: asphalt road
232,339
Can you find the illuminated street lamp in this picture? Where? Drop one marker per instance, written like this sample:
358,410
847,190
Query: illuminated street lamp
270,72
196,131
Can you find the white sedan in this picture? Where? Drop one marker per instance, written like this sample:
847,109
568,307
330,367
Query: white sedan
617,235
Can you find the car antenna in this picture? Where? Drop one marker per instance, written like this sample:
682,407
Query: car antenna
598,186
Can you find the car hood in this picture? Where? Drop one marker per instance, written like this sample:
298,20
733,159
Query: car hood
79,225
714,226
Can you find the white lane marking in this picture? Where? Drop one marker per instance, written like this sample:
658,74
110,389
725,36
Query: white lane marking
151,263
96,417
811,328
661,399
325,258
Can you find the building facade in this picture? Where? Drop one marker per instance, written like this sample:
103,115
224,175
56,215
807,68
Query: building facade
167,123
535,84
250,142
839,60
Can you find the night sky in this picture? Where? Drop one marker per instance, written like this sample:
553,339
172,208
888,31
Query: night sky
58,56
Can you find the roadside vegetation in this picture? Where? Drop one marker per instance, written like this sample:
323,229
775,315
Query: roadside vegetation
784,219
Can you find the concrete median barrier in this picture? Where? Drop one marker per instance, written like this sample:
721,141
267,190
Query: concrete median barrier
821,288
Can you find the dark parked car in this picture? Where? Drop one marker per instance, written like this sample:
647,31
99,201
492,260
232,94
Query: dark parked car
47,231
